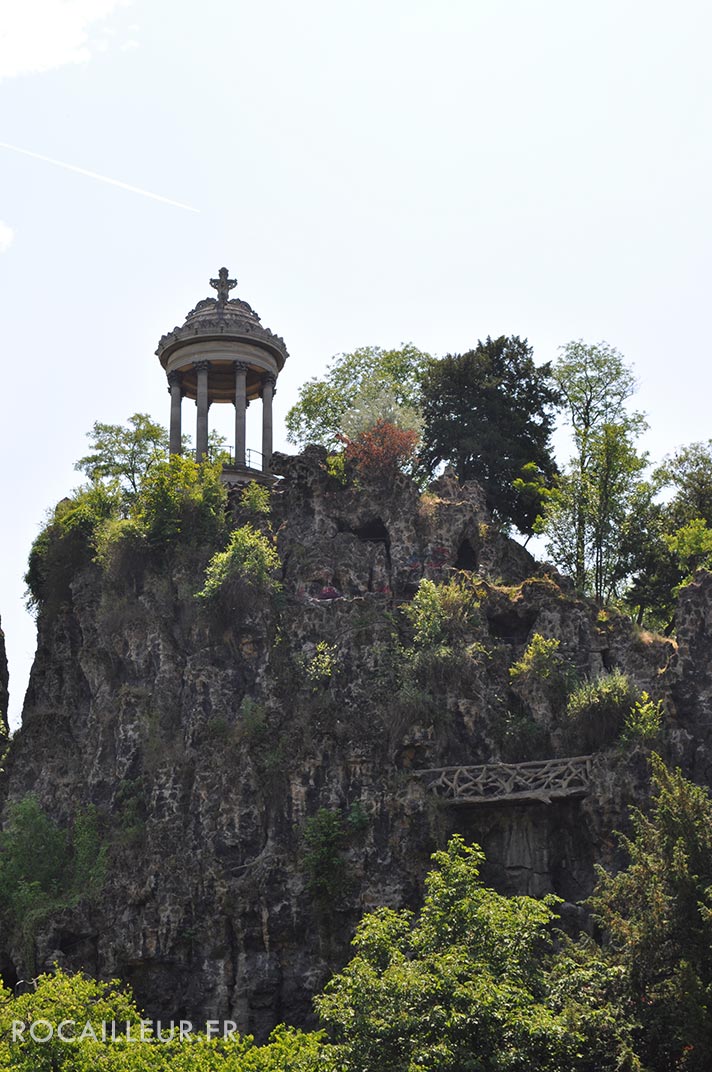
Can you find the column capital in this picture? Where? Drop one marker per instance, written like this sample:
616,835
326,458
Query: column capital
269,379
241,366
201,366
175,378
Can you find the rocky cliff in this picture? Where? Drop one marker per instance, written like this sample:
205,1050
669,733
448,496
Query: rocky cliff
3,683
208,735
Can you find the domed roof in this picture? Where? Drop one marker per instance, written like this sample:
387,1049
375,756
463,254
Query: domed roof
222,318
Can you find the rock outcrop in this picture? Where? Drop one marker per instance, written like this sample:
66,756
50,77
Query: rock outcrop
4,680
207,736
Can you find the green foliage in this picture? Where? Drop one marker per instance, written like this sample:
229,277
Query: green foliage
124,455
336,468
253,719
443,613
597,709
325,835
543,664
657,913
358,389
114,535
688,473
320,668
540,660
585,519
44,868
644,720
488,412
182,500
691,547
176,500
79,1000
462,987
442,619
669,539
255,499
250,559
65,542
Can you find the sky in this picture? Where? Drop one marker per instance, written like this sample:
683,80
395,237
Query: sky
432,171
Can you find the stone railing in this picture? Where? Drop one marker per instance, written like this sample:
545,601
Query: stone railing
543,780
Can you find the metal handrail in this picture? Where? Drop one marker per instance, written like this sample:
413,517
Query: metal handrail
254,459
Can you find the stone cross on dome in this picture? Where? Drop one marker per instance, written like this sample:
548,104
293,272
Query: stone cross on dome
223,285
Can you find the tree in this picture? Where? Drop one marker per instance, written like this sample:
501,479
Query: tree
381,451
584,520
358,389
657,913
689,473
124,454
489,413
667,540
461,987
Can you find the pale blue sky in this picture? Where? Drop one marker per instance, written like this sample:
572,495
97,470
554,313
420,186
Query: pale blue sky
371,172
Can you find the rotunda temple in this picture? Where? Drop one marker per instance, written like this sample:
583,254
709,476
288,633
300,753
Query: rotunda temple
222,353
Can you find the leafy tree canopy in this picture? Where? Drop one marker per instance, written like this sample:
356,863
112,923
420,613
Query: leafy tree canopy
489,413
358,389
459,988
669,537
124,454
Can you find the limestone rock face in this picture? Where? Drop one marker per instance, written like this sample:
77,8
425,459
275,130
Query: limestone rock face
3,682
206,735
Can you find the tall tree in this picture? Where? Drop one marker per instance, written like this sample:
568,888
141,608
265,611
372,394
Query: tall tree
489,413
584,520
463,986
124,454
358,389
657,913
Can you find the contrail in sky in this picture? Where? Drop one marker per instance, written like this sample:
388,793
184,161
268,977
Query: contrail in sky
101,178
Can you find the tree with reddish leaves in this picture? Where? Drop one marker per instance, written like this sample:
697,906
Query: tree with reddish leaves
378,453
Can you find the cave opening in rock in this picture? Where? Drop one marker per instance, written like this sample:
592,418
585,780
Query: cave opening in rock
373,531
466,557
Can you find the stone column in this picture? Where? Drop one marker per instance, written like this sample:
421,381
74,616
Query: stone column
176,391
240,410
268,391
201,435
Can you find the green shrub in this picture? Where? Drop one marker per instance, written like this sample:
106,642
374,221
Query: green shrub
442,613
543,664
250,558
644,720
320,668
78,1000
597,708
324,837
183,500
253,719
336,468
115,537
540,660
255,499
66,541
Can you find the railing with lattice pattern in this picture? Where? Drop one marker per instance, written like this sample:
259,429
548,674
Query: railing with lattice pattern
543,780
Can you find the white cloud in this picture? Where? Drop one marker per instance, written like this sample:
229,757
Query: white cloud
6,236
44,34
